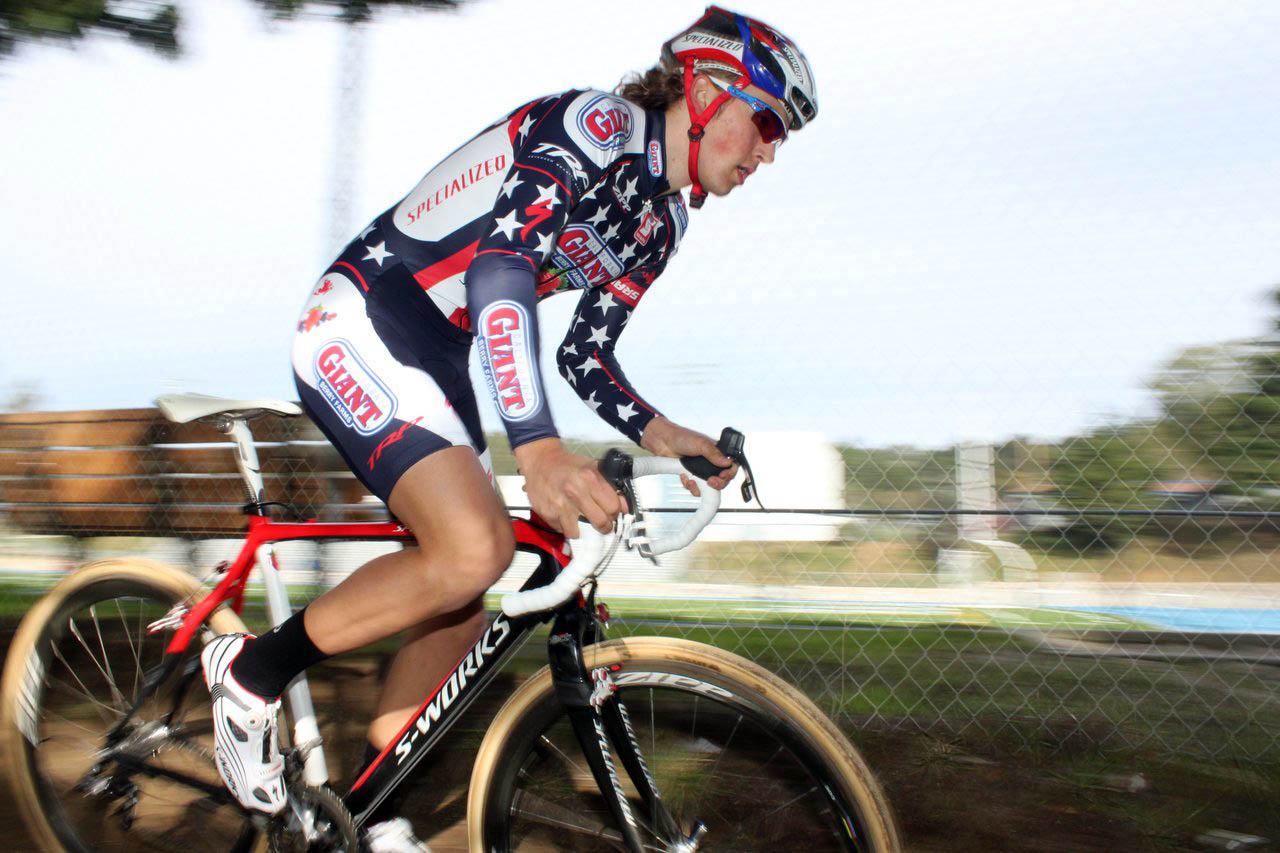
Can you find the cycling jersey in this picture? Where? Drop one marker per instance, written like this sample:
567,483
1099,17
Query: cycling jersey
567,192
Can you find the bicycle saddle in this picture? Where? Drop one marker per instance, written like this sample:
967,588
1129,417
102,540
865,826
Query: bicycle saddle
184,408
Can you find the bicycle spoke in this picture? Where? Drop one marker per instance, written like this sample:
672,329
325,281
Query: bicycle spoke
106,658
564,757
75,632
137,660
547,813
83,691
724,748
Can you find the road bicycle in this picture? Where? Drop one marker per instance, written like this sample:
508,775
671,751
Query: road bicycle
635,744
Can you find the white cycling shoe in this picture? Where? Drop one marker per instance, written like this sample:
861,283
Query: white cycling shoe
244,727
393,836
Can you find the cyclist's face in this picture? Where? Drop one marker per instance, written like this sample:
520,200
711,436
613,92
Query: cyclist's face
732,149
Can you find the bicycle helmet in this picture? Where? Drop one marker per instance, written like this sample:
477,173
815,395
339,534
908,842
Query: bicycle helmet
756,54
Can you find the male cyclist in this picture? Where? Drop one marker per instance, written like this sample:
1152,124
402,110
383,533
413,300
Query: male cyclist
574,191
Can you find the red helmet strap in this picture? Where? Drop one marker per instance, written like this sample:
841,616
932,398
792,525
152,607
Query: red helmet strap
697,128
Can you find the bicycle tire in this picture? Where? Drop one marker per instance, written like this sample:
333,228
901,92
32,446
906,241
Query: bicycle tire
23,689
533,710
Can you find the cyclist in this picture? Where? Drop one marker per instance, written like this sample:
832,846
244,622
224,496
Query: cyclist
578,190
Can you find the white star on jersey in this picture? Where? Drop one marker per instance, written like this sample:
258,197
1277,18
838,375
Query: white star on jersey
592,402
378,253
611,232
589,365
544,243
525,125
600,216
628,252
569,349
600,336
605,302
629,191
507,225
547,194
510,186
627,412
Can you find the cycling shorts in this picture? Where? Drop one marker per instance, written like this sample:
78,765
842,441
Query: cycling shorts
384,376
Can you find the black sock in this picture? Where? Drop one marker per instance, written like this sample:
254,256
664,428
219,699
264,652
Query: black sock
389,808
266,665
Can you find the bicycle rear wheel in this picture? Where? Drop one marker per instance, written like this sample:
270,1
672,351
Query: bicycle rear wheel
71,675
730,745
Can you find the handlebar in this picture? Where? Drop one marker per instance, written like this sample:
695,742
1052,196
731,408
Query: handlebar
621,469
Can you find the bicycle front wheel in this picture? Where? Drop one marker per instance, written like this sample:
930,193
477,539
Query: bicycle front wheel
731,747
72,674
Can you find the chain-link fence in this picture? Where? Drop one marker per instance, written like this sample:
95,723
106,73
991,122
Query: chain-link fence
1115,583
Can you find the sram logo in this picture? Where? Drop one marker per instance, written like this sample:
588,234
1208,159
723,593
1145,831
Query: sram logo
582,253
351,389
454,685
625,291
506,354
606,121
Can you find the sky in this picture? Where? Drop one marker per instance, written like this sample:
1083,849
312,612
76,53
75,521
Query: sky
1007,216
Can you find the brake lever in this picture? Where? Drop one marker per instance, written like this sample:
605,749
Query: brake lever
734,445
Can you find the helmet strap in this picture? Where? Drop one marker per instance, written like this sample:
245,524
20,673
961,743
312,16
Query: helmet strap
697,129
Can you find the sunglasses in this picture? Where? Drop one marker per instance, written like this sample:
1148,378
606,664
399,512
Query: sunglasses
772,126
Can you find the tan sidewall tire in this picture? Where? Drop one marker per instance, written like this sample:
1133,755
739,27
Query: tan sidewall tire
163,578
859,783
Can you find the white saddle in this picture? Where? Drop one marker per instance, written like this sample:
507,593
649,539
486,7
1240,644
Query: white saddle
184,408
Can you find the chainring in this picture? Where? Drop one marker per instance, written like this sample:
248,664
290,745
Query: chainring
315,820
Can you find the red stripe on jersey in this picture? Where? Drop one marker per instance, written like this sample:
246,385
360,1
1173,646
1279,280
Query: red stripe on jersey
458,262
513,126
359,277
549,175
619,385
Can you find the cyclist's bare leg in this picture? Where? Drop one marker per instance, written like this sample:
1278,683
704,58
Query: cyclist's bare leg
466,543
429,652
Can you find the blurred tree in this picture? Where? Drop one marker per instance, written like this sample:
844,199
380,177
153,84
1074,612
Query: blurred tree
1111,467
1222,406
23,396
153,23
349,10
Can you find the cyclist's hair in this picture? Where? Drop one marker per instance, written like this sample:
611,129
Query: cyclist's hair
660,86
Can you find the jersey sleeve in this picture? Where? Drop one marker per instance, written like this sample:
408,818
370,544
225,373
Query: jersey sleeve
549,173
586,355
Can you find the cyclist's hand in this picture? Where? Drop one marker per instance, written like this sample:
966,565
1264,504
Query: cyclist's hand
563,485
664,438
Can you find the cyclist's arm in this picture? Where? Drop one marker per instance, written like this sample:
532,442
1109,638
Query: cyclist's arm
586,355
538,192
547,177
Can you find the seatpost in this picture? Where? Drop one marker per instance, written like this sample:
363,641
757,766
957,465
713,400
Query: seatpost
246,454
306,732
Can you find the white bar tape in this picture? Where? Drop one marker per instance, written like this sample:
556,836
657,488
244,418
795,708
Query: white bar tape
587,549
589,545
708,504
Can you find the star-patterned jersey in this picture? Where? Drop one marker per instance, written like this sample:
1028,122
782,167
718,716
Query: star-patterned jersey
567,192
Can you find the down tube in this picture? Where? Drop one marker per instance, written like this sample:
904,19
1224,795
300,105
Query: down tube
438,714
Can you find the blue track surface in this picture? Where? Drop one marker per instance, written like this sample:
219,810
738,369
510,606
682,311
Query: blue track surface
1212,620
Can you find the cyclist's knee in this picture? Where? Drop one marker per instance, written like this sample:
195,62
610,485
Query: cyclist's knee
477,556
